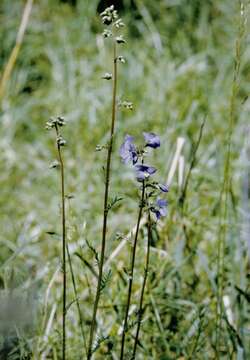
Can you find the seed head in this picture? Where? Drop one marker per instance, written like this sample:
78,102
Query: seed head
107,33
107,76
120,40
109,15
126,104
54,122
61,141
55,164
60,121
121,59
119,23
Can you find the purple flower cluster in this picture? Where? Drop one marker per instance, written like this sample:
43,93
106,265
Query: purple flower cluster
131,154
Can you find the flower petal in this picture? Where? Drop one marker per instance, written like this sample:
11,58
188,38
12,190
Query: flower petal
144,171
163,211
163,188
150,170
152,140
162,203
140,176
128,150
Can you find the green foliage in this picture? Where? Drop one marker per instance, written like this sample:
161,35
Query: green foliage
180,58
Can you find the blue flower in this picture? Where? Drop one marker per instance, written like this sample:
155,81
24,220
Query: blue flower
163,188
152,140
144,171
160,209
128,150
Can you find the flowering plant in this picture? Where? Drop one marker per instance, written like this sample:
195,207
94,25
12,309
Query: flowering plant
131,154
152,203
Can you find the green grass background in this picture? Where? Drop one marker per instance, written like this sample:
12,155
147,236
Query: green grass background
179,69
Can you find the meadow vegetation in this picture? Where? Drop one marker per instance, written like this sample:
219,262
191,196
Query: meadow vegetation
187,76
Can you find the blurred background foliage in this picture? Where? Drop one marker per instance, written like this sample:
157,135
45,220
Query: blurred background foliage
179,69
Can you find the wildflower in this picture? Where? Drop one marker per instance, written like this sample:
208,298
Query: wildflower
128,150
144,171
160,208
152,140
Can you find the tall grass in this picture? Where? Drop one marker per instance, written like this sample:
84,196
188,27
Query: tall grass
227,178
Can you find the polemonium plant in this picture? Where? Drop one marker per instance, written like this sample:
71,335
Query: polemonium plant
153,204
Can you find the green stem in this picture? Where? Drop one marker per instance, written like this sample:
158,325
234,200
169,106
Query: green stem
131,273
105,207
63,247
76,298
143,285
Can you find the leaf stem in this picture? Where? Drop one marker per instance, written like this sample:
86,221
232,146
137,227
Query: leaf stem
76,298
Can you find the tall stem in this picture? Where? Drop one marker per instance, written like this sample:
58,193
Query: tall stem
105,206
63,247
131,273
149,230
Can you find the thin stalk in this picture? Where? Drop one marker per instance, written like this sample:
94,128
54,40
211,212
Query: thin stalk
76,299
149,230
226,187
63,246
131,273
105,206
